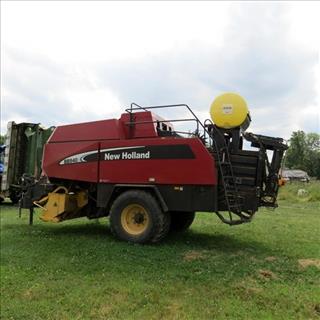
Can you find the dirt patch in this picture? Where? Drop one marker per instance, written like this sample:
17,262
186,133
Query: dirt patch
28,294
105,309
253,290
31,293
267,274
317,309
305,263
194,255
254,259
172,311
270,259
248,287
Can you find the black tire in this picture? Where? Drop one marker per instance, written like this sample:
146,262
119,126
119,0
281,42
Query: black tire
181,221
138,209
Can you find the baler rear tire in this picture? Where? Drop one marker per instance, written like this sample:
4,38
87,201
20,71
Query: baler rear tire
136,216
181,221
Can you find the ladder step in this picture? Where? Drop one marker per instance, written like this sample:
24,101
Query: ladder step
230,187
229,178
234,206
228,181
228,184
231,194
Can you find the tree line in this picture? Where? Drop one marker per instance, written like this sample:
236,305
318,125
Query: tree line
304,153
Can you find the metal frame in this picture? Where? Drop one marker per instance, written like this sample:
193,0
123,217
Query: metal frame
135,107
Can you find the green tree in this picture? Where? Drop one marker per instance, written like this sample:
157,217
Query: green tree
2,139
312,154
304,153
296,151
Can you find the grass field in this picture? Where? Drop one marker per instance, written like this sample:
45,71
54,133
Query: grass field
268,269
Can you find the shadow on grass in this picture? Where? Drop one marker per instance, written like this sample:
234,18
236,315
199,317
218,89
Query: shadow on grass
88,229
190,239
218,242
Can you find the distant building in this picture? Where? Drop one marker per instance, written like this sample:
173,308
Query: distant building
295,175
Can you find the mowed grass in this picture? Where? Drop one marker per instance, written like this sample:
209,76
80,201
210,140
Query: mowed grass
268,269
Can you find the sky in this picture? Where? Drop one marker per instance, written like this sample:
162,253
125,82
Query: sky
67,62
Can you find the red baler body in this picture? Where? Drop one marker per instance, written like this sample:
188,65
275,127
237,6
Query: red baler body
70,145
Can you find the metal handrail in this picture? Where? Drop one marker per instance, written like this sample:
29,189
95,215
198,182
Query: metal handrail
134,107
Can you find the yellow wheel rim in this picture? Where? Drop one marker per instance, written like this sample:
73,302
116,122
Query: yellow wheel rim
134,219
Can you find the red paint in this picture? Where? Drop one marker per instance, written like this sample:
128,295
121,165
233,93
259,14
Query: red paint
165,171
96,130
116,133
142,130
55,152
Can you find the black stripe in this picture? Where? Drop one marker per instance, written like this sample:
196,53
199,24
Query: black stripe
178,151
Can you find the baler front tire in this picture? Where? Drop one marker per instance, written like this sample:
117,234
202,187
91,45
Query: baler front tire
136,216
181,221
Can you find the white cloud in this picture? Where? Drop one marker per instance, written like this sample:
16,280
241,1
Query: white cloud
104,31
79,61
99,102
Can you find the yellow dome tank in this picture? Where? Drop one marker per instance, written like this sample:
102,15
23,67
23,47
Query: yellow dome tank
230,110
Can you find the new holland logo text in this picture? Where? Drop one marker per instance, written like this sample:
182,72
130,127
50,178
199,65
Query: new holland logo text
127,155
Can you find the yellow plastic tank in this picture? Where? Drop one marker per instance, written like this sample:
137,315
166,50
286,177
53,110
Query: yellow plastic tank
230,110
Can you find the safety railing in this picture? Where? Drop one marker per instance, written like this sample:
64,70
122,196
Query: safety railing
199,125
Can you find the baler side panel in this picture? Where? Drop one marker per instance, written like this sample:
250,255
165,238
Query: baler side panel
83,171
89,131
199,170
79,161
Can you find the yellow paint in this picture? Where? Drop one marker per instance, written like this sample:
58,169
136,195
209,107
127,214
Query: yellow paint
58,206
281,182
134,219
229,110
82,199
